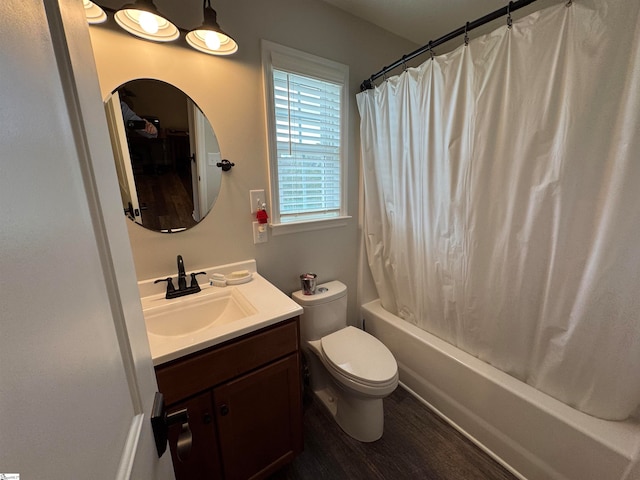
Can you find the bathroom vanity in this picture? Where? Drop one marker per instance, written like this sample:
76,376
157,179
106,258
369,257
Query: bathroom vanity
238,376
244,403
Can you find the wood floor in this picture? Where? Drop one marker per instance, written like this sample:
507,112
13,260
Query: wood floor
416,444
167,198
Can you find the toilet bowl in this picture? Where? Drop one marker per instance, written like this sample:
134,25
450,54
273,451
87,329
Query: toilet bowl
350,371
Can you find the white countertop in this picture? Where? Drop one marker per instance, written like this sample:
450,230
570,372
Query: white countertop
272,306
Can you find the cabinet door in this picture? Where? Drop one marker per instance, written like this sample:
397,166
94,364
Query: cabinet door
203,461
259,419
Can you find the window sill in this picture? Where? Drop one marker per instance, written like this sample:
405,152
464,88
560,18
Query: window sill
295,227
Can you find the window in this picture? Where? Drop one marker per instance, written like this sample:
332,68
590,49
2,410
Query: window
306,103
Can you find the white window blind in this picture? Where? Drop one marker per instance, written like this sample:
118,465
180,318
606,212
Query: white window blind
307,107
308,132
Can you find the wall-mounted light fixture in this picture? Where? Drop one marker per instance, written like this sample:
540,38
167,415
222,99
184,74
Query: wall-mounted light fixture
94,13
142,19
209,37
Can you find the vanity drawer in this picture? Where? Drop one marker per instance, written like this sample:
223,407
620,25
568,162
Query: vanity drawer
203,370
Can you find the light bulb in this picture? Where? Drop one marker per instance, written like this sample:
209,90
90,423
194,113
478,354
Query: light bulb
212,40
148,22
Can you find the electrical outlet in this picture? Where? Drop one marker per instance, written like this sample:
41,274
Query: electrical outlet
257,198
260,233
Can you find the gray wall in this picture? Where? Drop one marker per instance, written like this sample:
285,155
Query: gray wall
229,91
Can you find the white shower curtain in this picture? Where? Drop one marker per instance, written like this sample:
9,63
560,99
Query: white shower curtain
502,200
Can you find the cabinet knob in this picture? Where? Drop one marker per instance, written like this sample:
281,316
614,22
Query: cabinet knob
224,410
206,418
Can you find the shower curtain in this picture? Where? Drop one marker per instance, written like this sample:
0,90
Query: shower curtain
502,200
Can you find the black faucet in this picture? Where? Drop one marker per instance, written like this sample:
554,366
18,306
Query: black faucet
182,277
182,282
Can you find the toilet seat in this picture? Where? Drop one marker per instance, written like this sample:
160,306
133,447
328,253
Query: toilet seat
360,357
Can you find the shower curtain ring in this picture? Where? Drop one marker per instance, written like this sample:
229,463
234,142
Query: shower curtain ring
404,63
509,20
430,50
569,3
466,34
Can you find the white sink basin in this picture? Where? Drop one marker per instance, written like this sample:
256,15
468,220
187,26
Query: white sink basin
188,324
188,316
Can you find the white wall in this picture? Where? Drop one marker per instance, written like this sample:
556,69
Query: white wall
75,368
229,91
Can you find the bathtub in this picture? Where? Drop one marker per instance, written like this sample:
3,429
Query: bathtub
533,435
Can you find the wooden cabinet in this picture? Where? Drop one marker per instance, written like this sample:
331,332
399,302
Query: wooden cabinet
244,401
203,462
257,420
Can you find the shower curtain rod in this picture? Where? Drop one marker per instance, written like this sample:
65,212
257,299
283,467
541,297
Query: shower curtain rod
511,7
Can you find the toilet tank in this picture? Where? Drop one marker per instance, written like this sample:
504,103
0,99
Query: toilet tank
324,312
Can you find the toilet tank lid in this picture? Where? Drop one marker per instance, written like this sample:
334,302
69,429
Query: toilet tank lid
324,293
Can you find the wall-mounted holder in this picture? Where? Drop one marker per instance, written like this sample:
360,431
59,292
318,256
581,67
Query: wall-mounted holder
225,165
160,423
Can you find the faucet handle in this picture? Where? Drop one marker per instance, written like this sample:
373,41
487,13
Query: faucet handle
194,282
170,287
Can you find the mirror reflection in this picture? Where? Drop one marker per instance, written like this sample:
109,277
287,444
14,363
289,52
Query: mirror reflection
166,154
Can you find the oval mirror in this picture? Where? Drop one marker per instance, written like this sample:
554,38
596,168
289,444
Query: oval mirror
166,155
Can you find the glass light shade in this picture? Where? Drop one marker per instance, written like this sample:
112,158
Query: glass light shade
211,41
142,20
94,13
209,38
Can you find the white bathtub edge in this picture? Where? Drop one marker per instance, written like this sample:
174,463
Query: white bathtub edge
532,434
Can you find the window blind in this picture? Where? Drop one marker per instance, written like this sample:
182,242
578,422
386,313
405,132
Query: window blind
308,117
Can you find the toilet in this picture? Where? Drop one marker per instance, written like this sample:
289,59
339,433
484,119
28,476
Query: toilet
350,371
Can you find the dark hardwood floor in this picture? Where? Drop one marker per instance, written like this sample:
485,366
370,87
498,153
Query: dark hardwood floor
168,200
416,444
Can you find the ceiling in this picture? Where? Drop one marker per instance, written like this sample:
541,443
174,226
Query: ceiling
423,20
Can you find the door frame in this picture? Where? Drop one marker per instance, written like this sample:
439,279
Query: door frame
120,146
